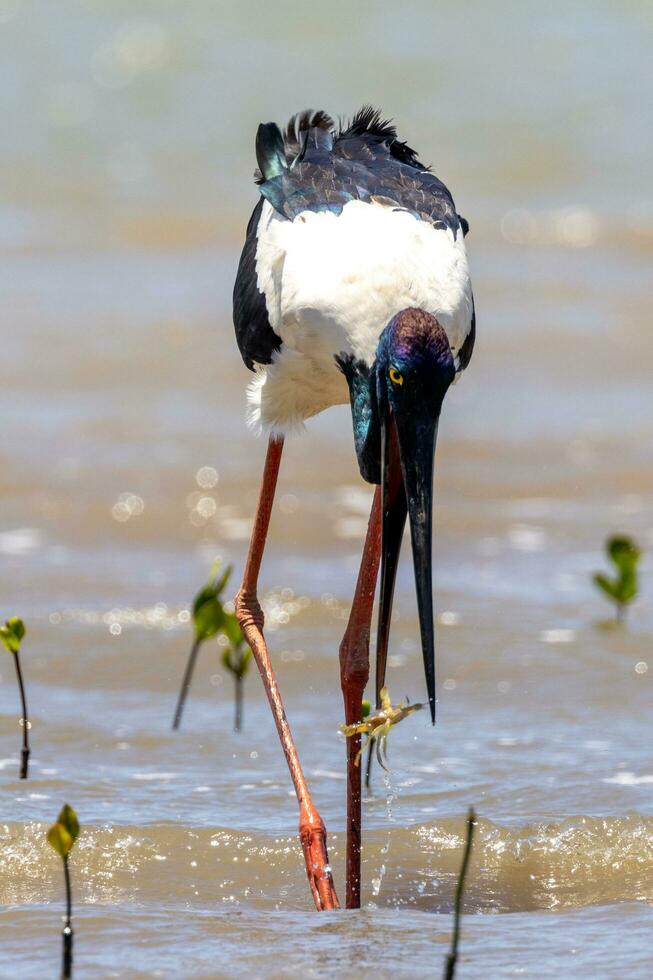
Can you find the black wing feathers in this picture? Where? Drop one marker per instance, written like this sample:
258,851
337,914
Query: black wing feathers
295,134
270,151
368,124
467,346
302,123
363,161
256,339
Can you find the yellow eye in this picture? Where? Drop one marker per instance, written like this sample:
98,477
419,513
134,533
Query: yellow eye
395,376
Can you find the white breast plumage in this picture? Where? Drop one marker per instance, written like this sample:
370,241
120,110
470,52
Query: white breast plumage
332,282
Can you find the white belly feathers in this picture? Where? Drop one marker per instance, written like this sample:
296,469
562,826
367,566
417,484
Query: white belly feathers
332,283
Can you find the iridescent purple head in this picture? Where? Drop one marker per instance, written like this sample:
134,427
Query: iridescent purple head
414,361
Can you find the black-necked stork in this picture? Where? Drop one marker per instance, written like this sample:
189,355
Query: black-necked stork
353,285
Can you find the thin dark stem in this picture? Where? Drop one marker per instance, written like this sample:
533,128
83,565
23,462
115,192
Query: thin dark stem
185,684
24,755
67,935
238,695
69,895
368,764
450,967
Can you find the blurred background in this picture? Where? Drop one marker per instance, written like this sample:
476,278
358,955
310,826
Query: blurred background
125,468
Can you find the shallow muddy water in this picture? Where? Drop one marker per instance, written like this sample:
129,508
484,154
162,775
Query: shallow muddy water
126,191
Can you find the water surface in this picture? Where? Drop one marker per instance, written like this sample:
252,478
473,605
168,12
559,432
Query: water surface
126,189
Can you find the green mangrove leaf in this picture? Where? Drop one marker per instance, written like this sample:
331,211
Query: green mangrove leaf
12,633
231,629
610,588
226,659
219,583
366,707
245,660
628,586
624,555
623,552
68,819
236,660
17,625
59,838
63,834
237,656
208,614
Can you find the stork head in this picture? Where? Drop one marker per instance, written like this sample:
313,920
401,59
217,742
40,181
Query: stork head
414,368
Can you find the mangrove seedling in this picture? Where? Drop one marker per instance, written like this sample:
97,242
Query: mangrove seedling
208,616
450,966
236,658
378,726
62,836
622,589
11,635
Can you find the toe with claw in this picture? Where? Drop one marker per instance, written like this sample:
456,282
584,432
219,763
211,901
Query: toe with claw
318,869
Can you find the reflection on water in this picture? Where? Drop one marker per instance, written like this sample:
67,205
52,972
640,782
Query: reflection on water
127,468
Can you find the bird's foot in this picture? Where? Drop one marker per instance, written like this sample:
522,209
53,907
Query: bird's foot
318,869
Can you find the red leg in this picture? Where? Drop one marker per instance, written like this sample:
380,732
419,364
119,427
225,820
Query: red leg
354,674
311,826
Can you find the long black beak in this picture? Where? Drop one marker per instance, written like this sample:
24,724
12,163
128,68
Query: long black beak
407,452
